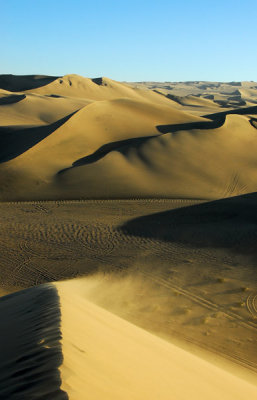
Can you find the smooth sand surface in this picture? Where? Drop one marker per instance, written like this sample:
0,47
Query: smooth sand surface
116,360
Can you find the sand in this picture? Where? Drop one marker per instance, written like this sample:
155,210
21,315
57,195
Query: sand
116,360
128,239
86,138
60,345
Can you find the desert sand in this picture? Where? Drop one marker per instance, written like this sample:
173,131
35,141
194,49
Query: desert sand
128,239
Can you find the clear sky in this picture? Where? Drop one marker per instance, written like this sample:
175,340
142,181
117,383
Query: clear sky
161,40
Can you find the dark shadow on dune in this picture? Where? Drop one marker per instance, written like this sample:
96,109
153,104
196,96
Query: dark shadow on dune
99,81
30,347
213,124
56,96
228,223
216,120
253,122
234,83
239,111
213,121
12,99
16,140
179,99
122,146
19,83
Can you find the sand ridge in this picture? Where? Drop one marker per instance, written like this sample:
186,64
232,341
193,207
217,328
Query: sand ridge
101,355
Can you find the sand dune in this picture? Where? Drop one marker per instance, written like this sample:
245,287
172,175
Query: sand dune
30,350
76,137
206,94
171,165
36,110
112,359
99,355
95,89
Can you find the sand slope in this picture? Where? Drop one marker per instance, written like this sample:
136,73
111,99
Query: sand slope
196,163
75,137
100,357
30,350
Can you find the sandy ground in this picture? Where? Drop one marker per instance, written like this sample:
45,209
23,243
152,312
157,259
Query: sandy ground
161,236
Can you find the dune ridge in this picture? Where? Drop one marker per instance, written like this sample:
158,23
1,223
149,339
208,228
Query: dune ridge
30,345
114,137
103,355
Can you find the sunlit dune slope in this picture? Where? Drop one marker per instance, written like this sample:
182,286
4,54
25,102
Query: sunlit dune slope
211,163
31,166
73,137
33,110
56,344
97,89
106,357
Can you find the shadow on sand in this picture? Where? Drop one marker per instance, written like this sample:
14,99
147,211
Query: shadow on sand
12,99
228,223
19,83
216,121
124,145
16,140
30,348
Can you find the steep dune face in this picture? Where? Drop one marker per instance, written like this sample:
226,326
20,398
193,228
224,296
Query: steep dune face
55,344
75,137
16,83
31,109
108,358
30,348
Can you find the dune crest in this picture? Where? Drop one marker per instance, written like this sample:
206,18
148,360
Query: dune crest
30,349
118,140
95,354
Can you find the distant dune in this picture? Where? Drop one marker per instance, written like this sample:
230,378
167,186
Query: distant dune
72,137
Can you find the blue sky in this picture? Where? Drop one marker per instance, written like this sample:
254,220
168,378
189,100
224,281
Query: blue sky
132,40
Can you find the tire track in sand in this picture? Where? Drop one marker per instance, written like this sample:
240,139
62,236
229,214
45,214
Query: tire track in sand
165,282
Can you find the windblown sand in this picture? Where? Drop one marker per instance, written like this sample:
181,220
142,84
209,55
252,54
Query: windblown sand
145,192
